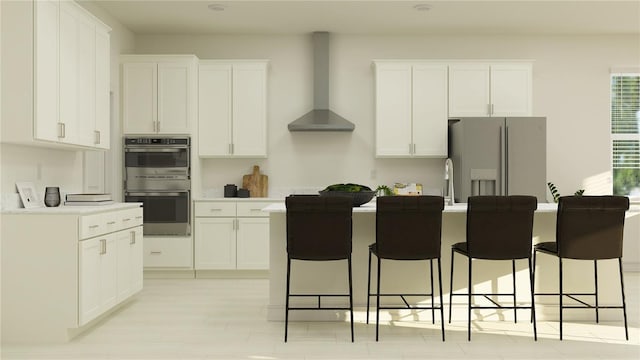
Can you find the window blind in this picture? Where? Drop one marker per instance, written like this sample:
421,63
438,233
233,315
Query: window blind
625,104
625,137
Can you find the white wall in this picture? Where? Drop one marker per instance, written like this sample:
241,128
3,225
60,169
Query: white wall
571,88
64,168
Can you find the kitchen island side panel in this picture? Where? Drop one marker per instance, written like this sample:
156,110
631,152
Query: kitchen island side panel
39,277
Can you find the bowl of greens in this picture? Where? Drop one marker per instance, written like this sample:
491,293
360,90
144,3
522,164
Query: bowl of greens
360,194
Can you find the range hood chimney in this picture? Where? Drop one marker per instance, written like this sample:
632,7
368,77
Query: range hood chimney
321,118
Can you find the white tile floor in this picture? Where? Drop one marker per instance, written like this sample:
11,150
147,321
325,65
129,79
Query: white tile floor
225,319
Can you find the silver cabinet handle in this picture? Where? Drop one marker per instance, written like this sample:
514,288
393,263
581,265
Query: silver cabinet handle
155,126
93,226
127,219
215,209
103,246
111,222
156,252
158,125
97,137
61,130
139,217
492,111
132,237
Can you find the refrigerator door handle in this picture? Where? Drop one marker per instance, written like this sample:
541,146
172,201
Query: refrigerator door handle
506,160
502,174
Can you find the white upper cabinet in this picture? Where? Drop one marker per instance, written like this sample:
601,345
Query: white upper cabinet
511,89
102,132
158,94
232,109
490,89
411,109
45,57
69,68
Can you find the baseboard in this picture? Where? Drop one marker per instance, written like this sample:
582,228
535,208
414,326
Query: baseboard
169,274
232,274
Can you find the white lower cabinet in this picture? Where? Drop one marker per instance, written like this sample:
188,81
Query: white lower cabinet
215,243
231,235
81,264
252,243
168,253
98,276
129,265
110,266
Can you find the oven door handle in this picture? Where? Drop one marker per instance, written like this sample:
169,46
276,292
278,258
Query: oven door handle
164,150
156,193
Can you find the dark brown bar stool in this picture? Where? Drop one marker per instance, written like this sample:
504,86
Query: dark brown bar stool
588,228
318,229
498,228
407,228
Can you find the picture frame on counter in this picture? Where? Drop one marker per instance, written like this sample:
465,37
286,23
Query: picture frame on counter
28,195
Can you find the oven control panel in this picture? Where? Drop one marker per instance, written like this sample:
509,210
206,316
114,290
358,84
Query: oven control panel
156,141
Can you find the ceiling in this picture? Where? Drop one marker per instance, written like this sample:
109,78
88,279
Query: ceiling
376,17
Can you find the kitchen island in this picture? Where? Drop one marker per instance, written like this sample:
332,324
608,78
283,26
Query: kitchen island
410,276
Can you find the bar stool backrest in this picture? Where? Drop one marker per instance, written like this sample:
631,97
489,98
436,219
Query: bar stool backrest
318,227
500,227
409,227
591,227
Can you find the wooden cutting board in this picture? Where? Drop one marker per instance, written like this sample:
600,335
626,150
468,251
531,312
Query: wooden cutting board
256,183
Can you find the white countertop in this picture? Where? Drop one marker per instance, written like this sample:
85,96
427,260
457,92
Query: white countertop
78,210
370,207
231,199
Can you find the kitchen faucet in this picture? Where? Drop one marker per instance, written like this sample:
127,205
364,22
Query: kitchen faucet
448,177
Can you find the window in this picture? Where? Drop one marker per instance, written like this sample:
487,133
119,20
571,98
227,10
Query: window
625,137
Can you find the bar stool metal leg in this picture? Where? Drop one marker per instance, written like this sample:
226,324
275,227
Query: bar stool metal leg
533,303
469,304
441,299
451,287
368,286
513,272
561,296
378,300
624,304
286,315
350,296
433,311
533,281
595,272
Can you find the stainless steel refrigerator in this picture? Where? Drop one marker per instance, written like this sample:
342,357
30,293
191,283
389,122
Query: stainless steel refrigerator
498,156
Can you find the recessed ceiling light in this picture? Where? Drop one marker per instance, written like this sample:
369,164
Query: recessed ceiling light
216,7
422,7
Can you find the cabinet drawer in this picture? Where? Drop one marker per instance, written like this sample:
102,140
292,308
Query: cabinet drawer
92,225
215,209
112,221
130,218
167,252
253,209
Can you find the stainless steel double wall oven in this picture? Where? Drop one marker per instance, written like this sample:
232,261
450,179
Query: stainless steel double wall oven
157,173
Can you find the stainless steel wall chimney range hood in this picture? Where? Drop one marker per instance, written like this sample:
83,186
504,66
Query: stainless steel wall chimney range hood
321,118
